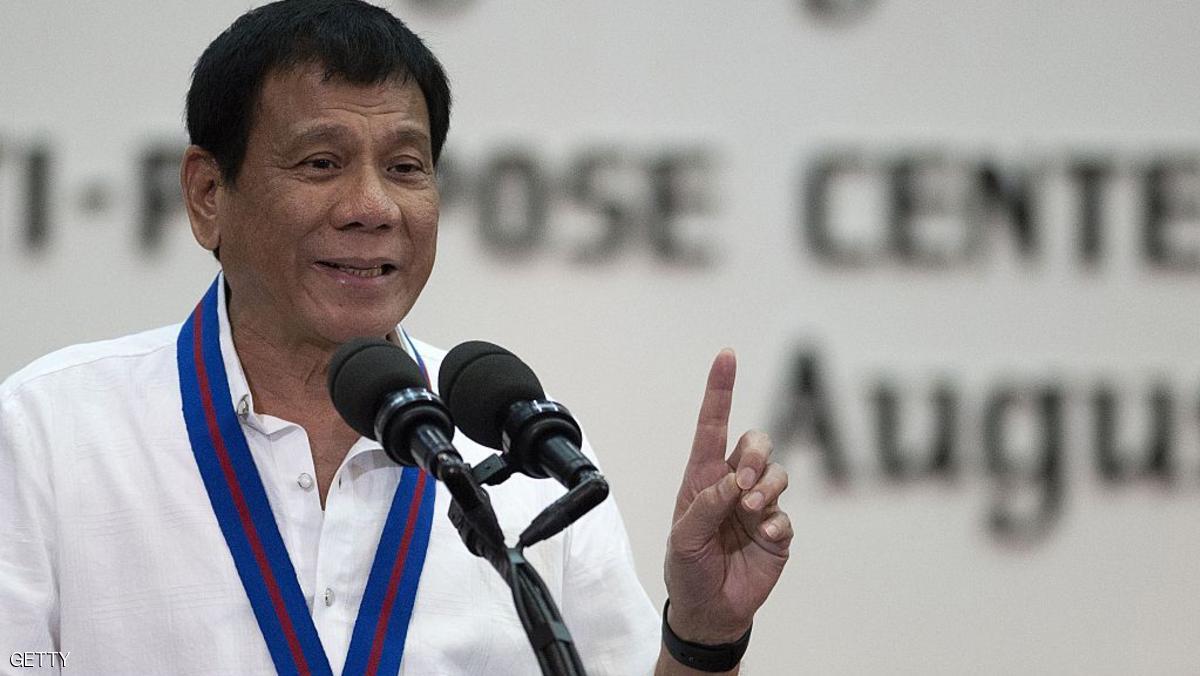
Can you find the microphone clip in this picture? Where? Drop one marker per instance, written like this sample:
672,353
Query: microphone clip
493,470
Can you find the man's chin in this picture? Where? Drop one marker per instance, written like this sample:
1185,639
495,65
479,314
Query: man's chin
339,322
344,333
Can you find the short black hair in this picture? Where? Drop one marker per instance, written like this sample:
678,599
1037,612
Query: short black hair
350,39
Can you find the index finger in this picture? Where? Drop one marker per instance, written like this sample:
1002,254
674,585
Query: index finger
712,426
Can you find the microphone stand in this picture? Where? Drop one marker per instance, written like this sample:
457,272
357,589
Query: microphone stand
472,514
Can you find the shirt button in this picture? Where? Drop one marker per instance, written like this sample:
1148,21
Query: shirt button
328,597
305,481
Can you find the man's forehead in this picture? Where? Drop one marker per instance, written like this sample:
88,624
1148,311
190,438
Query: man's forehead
311,83
305,101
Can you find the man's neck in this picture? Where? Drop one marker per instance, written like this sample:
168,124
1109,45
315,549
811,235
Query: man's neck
287,380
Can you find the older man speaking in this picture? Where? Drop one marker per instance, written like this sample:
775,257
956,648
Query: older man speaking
187,500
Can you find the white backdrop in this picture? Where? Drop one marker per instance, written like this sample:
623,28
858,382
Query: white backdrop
889,575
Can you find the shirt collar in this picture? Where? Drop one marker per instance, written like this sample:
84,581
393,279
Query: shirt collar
239,387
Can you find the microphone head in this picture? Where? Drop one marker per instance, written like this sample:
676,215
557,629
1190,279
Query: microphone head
362,373
479,382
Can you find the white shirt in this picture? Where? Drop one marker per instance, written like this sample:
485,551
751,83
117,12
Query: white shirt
110,549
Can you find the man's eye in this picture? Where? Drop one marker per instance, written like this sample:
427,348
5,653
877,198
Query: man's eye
406,168
322,163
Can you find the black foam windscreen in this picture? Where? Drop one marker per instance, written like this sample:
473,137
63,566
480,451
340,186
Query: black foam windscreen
479,381
362,373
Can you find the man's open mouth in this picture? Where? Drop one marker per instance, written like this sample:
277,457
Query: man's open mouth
373,271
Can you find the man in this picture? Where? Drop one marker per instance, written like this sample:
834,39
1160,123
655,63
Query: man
188,501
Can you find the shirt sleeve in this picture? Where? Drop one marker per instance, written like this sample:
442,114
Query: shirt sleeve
614,624
28,586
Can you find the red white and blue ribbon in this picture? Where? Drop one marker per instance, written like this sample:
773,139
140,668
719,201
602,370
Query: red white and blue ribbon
240,504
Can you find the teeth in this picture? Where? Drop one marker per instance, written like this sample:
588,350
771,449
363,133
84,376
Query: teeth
360,272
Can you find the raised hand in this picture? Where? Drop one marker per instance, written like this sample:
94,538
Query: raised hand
729,539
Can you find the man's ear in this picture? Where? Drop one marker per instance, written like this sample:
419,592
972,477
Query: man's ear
200,178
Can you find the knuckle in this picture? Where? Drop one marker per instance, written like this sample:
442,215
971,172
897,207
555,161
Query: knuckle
674,539
784,479
758,441
783,525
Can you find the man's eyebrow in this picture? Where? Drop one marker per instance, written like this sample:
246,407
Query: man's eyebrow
320,132
326,133
403,136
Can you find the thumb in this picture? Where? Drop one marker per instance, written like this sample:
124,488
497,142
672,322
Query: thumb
704,516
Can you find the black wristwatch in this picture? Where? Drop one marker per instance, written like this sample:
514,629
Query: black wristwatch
711,658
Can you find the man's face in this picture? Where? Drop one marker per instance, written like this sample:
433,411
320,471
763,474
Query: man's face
330,230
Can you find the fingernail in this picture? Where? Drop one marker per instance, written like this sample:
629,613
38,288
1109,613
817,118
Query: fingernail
771,530
745,478
753,500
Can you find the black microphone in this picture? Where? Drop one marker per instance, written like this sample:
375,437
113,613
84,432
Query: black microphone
379,391
498,402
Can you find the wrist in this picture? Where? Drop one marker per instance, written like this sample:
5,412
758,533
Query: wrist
697,627
703,650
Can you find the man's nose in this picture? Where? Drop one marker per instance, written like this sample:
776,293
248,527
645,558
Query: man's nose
366,202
